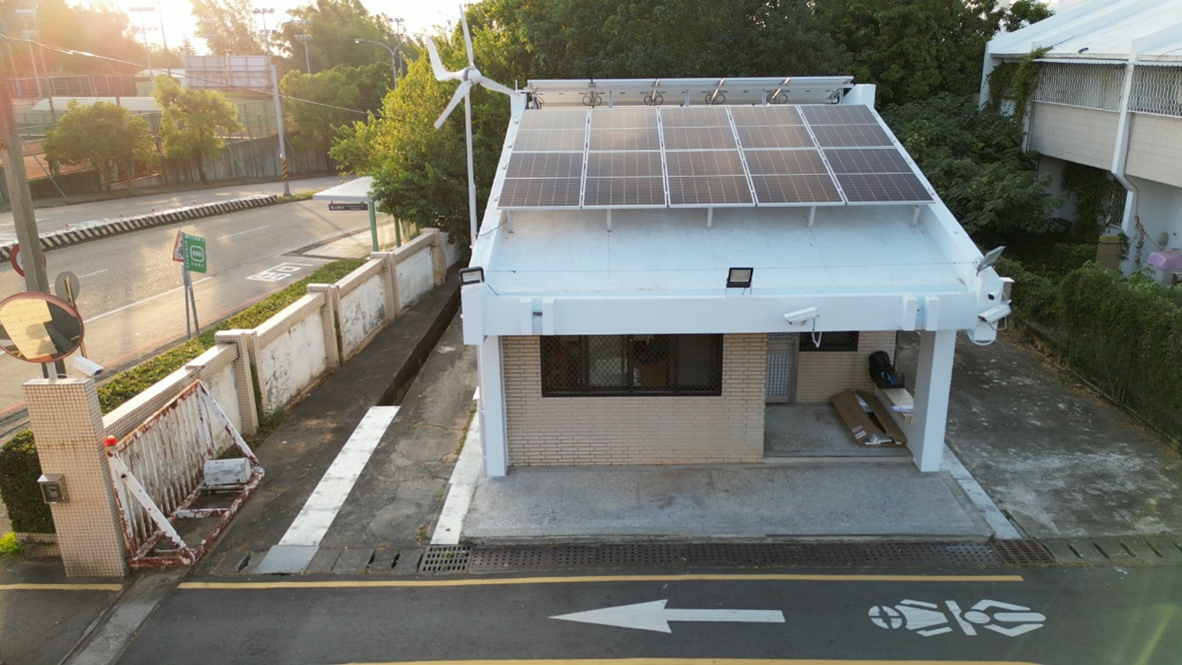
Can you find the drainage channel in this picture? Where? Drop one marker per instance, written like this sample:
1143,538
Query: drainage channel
891,554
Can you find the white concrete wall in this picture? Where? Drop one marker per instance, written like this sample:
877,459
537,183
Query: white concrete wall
362,310
415,273
1159,209
290,352
1074,134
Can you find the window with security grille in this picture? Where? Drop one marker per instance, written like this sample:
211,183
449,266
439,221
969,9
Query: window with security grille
581,365
830,341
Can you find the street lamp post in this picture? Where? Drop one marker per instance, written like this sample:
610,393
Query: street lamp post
307,60
393,56
141,10
262,14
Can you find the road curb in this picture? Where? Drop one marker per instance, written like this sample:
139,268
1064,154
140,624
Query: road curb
111,227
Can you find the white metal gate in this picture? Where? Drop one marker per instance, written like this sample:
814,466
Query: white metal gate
781,367
158,471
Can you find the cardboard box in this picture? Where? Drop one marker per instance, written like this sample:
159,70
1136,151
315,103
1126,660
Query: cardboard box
868,421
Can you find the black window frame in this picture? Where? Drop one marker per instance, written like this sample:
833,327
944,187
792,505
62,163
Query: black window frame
845,341
587,390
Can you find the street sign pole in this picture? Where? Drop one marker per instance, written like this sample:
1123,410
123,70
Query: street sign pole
193,299
185,291
373,226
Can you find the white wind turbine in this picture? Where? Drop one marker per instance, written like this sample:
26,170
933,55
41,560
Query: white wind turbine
468,77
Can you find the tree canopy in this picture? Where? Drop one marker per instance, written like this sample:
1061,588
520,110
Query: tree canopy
227,26
103,134
192,122
333,25
338,90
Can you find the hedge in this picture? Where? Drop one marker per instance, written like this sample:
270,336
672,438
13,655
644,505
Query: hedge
19,466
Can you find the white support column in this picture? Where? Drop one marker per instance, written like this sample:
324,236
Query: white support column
933,381
492,408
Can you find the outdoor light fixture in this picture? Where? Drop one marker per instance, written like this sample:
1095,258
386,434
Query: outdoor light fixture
472,276
739,278
990,258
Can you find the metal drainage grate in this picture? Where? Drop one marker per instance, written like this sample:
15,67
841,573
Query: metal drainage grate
1023,553
740,555
446,559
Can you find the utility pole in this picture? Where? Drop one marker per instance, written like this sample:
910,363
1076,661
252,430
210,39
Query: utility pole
18,186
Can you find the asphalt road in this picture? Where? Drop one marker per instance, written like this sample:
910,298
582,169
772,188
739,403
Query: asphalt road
131,297
1075,616
85,214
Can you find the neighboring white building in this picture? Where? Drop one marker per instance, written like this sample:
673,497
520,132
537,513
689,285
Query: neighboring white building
1110,96
598,292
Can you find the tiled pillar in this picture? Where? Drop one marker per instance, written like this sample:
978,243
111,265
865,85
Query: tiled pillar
65,418
933,382
328,325
438,257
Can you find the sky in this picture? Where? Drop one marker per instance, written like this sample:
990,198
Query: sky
417,15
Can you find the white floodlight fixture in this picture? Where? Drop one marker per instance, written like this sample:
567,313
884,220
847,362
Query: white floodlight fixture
739,278
472,276
990,258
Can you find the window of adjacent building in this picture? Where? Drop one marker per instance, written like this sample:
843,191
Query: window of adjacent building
575,365
830,341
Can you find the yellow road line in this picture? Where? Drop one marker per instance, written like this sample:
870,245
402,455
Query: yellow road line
61,587
701,661
507,581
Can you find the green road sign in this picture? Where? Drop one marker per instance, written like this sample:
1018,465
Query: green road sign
193,249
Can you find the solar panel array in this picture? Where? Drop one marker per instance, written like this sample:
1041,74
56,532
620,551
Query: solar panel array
781,155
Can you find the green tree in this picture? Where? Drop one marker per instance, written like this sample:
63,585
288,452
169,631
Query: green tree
97,28
333,25
974,159
103,134
193,121
341,93
227,26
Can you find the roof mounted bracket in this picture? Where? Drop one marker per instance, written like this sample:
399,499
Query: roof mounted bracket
709,218
609,220
812,215
915,217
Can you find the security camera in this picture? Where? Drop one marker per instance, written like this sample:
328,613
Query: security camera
801,315
995,314
87,366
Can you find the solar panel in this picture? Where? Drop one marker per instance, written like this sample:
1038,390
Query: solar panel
623,164
557,119
883,188
697,116
784,162
623,118
625,138
545,165
846,136
775,136
565,140
867,160
803,189
704,163
699,138
624,192
830,114
763,116
540,193
709,190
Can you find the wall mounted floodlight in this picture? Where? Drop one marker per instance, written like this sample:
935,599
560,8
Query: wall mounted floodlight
472,276
739,278
990,258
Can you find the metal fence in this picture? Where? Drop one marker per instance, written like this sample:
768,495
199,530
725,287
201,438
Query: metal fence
1087,85
1157,89
158,472
72,86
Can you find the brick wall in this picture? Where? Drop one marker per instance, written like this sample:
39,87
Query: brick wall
636,430
820,374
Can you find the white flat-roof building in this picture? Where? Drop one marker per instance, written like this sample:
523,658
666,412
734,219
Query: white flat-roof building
656,264
1109,96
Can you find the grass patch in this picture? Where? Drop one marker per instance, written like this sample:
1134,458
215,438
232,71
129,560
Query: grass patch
302,196
10,547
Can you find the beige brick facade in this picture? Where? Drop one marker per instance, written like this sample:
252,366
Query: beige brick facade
545,431
820,374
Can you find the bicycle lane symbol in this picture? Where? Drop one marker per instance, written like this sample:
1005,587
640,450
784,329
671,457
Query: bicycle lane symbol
929,619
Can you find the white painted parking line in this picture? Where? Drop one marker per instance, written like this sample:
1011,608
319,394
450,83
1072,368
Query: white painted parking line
244,232
92,274
322,507
279,273
462,488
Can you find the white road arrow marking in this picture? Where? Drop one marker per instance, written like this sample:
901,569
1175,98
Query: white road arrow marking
653,616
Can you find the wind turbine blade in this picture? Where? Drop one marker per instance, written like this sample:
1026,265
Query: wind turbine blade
441,74
493,85
467,37
455,99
